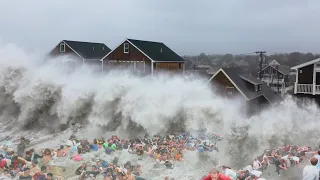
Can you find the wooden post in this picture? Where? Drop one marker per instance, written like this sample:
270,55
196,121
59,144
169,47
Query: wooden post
314,81
296,83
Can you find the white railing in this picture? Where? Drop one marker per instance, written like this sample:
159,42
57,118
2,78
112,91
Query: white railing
305,88
274,81
317,89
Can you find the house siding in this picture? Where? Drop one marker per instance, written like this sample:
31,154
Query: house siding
224,86
68,52
170,67
133,55
306,76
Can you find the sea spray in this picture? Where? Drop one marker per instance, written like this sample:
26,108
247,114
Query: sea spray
39,98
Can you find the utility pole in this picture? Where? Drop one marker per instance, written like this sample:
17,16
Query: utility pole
278,79
260,53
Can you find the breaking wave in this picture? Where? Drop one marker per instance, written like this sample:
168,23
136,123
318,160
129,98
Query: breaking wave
45,96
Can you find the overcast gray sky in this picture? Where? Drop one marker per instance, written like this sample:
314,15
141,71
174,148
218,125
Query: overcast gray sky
186,26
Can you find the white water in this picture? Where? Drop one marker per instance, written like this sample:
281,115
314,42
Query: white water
37,98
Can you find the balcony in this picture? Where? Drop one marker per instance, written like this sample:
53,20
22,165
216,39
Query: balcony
307,89
273,81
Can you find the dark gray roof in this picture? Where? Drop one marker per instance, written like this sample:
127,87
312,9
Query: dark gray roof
157,51
285,70
89,50
240,63
250,79
238,79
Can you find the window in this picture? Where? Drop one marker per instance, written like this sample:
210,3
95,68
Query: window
260,87
300,71
62,47
256,88
126,47
229,91
179,65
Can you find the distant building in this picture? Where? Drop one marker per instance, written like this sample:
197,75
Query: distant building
273,63
205,71
233,83
143,57
276,76
239,64
80,52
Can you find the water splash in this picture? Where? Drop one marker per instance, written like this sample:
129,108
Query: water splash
46,96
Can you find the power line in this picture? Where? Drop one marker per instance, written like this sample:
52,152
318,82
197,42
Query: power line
261,53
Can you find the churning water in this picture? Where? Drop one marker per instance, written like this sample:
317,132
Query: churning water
46,103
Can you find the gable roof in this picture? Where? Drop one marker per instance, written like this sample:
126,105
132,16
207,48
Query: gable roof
88,50
273,61
239,63
237,78
306,63
155,51
285,70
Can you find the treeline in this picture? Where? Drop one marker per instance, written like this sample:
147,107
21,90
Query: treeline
216,60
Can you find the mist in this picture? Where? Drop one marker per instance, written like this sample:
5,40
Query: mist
44,97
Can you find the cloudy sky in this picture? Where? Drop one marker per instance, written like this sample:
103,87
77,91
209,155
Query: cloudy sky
186,26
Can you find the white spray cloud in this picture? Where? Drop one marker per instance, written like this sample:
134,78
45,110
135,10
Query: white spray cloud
45,95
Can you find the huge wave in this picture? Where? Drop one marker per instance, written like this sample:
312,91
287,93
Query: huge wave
44,95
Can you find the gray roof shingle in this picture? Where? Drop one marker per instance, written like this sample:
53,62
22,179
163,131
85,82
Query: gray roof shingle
157,51
89,50
239,79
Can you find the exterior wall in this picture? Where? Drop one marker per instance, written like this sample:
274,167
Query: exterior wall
68,52
170,67
225,87
119,56
305,75
135,55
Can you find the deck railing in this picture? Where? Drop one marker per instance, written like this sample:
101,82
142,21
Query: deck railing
307,89
304,88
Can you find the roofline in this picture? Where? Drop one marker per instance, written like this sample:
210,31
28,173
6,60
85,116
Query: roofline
267,99
305,64
170,61
132,45
68,46
73,50
221,70
273,68
141,52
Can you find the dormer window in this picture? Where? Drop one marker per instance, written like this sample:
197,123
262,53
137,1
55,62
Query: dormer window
126,47
62,47
258,87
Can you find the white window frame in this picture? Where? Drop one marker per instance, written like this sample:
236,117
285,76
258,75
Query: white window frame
126,49
260,87
229,90
256,87
64,47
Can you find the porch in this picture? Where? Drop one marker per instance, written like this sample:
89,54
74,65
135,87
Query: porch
307,89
